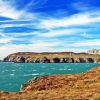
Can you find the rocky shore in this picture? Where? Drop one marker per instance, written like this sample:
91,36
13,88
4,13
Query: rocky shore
55,57
85,86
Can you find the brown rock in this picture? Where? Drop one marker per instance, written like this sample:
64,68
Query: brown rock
84,86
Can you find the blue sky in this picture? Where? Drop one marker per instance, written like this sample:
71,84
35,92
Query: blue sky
49,25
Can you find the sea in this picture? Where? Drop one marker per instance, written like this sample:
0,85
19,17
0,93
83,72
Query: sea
13,75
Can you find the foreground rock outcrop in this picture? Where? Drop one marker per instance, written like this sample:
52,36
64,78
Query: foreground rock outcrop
55,57
84,86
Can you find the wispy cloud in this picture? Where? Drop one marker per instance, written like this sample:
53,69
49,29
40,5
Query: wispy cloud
77,19
36,31
86,43
8,9
5,40
62,32
35,4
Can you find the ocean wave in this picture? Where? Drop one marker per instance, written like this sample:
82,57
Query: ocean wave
34,74
12,74
13,70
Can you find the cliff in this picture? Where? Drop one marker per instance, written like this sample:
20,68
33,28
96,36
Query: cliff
84,86
49,57
94,51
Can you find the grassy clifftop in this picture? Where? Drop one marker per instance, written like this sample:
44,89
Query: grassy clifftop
84,86
48,57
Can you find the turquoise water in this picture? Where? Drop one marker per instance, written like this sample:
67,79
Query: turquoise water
12,75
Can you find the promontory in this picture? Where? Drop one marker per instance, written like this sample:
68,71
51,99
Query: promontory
52,57
85,86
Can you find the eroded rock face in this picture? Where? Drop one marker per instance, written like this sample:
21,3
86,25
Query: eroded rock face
56,60
94,51
82,60
45,60
91,60
51,58
6,59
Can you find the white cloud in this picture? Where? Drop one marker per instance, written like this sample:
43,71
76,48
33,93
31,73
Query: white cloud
56,27
12,48
39,47
85,43
36,4
45,42
61,32
5,40
11,25
8,9
77,19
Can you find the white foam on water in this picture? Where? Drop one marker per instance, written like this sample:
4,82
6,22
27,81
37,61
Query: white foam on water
34,74
62,69
34,70
43,66
69,69
12,74
13,70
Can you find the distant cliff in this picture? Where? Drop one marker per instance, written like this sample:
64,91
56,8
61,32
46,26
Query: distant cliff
94,51
49,57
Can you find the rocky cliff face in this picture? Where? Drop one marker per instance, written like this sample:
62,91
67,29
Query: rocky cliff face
84,86
94,51
58,57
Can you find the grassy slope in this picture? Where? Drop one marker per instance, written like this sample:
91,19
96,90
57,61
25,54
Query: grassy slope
53,55
84,86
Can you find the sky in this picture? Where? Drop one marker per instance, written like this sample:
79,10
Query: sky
49,26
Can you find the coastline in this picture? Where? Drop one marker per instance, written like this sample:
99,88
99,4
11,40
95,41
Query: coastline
67,87
52,57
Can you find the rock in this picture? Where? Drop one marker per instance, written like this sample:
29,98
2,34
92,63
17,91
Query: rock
45,60
51,58
38,60
56,60
56,81
6,59
94,51
22,59
67,60
77,60
90,60
82,60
